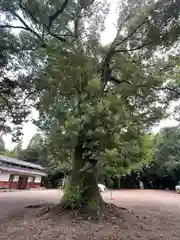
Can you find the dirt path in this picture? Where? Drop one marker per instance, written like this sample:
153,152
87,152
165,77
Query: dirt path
155,216
13,203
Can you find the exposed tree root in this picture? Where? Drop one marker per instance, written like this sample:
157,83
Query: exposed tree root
45,210
37,205
112,213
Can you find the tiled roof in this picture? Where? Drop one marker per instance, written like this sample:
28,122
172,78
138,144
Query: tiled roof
20,162
22,171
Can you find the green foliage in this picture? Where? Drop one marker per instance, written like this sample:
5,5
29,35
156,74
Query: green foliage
161,168
13,107
2,145
147,151
72,198
36,151
167,152
4,151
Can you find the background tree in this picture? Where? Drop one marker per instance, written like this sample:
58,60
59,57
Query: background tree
36,151
96,102
2,145
4,151
165,167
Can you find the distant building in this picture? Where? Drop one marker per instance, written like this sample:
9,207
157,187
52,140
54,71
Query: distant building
17,174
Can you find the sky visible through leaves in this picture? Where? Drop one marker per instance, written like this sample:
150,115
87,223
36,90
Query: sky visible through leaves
29,129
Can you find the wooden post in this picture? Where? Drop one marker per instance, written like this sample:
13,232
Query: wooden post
111,194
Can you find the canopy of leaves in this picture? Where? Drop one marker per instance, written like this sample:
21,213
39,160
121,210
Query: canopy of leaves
13,107
102,98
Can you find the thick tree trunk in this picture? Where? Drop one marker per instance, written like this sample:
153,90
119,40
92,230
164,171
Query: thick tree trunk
82,190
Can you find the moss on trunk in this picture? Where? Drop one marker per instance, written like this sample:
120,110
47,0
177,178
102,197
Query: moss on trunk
81,191
86,200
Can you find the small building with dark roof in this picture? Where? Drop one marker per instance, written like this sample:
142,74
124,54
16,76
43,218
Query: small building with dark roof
18,174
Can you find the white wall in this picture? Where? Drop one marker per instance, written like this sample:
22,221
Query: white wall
37,179
16,178
4,177
30,179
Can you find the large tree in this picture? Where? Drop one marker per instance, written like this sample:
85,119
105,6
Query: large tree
95,101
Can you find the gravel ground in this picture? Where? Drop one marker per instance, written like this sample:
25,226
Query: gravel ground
153,215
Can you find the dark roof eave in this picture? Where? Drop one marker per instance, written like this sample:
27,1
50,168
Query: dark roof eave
20,162
21,171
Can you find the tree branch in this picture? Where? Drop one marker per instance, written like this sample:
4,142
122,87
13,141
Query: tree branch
7,102
26,26
115,80
51,19
27,11
11,26
57,36
132,33
167,68
57,13
86,3
35,20
169,89
133,49
112,50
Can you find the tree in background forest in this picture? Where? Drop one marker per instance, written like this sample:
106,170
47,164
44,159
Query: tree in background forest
95,102
35,152
2,145
110,174
4,151
164,170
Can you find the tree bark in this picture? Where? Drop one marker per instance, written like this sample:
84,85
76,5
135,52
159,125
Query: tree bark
119,183
82,190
